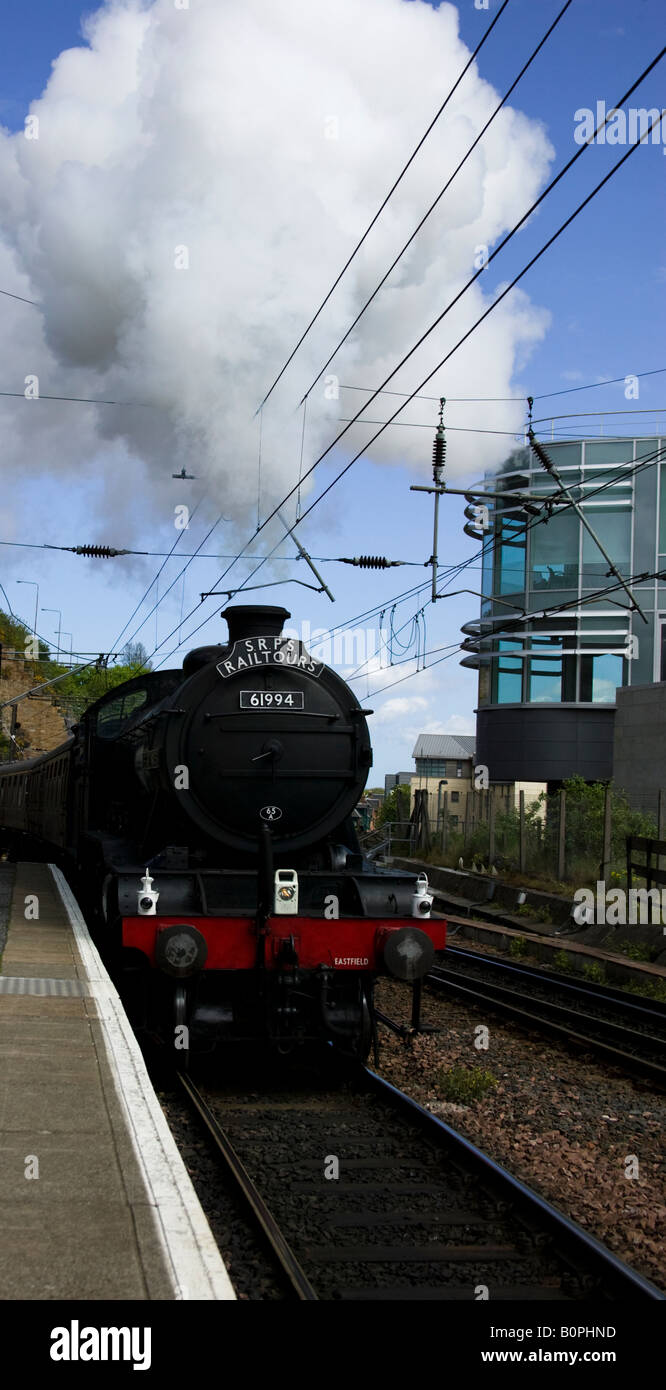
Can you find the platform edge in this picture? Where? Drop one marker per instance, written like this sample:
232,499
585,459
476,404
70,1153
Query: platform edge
190,1252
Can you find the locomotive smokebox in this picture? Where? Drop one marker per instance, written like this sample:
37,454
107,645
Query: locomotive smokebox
254,620
269,736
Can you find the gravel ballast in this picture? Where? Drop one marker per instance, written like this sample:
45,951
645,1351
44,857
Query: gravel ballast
578,1132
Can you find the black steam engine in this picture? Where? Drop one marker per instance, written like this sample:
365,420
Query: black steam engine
208,816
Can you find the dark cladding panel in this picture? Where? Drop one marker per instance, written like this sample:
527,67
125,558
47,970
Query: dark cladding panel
527,744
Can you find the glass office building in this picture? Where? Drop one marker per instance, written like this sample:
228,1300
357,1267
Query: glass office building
550,647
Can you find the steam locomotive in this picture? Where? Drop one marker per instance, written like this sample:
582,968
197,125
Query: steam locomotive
206,818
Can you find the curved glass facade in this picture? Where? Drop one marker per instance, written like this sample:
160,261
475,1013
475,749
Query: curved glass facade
548,639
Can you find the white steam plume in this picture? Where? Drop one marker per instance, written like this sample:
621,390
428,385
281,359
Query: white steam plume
259,138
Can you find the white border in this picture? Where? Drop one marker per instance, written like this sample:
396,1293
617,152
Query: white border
193,1260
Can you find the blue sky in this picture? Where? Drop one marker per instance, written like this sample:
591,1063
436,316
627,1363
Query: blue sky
603,285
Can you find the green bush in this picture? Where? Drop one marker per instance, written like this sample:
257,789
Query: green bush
595,972
648,989
463,1084
635,950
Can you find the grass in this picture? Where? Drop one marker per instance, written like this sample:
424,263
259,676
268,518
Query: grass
518,947
536,914
561,961
593,971
464,1084
636,950
650,989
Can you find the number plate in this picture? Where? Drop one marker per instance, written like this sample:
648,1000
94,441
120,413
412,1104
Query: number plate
272,699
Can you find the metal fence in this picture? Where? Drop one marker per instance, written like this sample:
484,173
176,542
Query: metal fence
574,835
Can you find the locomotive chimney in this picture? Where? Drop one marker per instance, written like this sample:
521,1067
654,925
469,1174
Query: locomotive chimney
254,620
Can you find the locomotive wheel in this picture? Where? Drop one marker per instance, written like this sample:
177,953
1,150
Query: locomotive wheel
358,1047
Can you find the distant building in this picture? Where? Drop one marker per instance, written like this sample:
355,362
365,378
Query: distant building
444,764
368,809
447,772
397,779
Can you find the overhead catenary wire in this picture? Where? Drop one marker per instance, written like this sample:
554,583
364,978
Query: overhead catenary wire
645,461
110,552
648,460
511,624
455,570
155,580
440,195
511,434
168,589
498,299
21,298
75,400
497,400
389,195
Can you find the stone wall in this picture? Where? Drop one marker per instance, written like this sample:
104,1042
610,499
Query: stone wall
42,723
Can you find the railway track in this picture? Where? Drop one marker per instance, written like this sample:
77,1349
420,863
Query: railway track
628,1032
361,1194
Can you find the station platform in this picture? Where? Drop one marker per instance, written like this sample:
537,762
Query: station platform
95,1201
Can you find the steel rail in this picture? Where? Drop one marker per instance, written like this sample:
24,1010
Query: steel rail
581,1251
260,1211
505,1001
640,1005
624,1281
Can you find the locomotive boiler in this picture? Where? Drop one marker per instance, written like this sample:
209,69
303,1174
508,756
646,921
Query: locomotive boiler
207,815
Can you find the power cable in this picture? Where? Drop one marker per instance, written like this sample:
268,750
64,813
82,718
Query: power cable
156,578
380,210
454,571
495,400
440,195
483,316
168,591
21,298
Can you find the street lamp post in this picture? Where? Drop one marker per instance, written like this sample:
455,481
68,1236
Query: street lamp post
71,640
36,586
443,782
59,612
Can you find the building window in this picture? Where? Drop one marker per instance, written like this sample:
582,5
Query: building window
431,767
454,822
662,501
599,678
545,674
459,769
511,564
662,670
554,553
613,527
487,573
455,796
509,677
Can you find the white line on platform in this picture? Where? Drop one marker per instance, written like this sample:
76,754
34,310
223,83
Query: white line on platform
191,1254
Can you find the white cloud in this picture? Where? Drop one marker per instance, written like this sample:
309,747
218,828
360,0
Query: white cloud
400,708
206,128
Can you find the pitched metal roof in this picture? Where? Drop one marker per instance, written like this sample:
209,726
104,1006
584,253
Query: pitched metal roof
457,746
